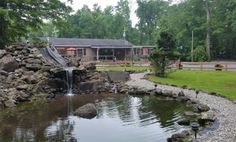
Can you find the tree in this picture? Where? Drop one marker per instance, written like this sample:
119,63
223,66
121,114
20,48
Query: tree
161,56
149,12
17,16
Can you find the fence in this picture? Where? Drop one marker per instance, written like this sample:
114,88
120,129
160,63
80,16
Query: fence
225,66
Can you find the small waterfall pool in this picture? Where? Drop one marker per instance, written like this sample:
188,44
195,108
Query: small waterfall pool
121,118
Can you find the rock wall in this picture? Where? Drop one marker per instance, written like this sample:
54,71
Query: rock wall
23,75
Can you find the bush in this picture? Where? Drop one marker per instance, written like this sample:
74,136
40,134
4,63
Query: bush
200,53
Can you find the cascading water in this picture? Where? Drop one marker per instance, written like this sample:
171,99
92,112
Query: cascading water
69,80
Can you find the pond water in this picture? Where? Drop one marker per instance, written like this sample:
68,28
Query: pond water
120,118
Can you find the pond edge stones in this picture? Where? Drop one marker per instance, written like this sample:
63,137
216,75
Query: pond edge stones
204,116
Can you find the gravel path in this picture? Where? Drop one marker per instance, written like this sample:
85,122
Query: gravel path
226,110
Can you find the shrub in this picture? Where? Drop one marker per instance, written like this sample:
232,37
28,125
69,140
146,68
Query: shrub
200,53
161,56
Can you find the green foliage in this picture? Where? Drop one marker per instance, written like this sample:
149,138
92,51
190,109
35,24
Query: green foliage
161,56
211,81
190,15
97,23
149,12
200,53
17,16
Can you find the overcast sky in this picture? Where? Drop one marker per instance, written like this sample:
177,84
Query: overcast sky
78,4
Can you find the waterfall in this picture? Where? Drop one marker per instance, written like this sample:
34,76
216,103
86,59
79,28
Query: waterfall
69,80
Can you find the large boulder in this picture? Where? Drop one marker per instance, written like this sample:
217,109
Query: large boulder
92,85
88,111
118,75
8,63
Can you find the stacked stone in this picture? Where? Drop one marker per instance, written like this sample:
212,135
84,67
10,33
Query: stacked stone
23,73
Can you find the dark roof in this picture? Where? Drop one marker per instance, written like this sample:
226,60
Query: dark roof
89,42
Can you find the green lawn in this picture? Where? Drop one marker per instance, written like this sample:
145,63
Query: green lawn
121,68
211,81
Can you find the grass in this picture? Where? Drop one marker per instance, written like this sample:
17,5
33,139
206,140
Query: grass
223,83
121,68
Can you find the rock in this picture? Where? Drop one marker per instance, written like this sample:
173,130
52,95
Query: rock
179,137
234,102
33,67
118,75
201,107
137,92
167,93
156,92
87,111
22,96
45,68
23,87
30,79
123,90
190,113
8,63
4,73
10,78
56,70
184,99
91,66
92,85
181,93
2,53
10,103
184,122
33,61
206,117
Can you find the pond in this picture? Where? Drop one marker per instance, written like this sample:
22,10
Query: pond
120,118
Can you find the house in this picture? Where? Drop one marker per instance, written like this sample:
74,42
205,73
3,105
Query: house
99,49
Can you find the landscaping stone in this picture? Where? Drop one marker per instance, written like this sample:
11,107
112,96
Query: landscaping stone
181,93
2,53
33,67
190,113
118,75
8,63
23,87
10,103
3,73
179,137
202,108
207,117
86,111
184,122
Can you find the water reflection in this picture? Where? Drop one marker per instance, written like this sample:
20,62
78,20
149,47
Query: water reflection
120,118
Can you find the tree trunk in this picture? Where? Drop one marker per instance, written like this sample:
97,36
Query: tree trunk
208,39
3,25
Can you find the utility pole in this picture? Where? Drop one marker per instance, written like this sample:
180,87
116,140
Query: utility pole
192,47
